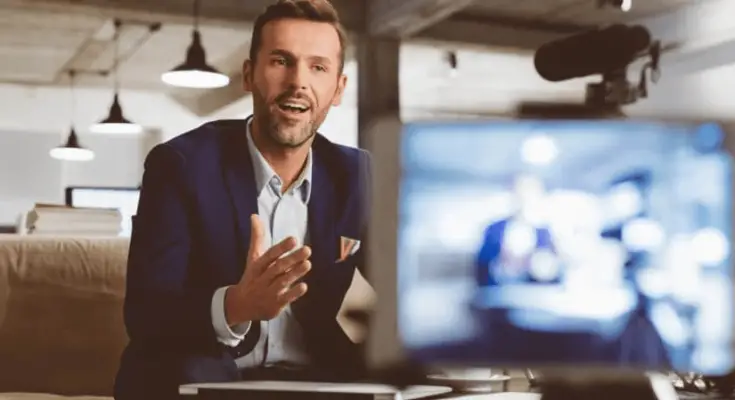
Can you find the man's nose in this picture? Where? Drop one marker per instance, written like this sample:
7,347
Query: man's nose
299,75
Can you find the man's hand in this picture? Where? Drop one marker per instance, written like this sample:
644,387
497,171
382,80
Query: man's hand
267,286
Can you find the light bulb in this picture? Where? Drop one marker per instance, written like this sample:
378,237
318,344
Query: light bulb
195,79
71,154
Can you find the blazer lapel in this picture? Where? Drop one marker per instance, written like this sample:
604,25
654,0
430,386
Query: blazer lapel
322,216
322,238
240,180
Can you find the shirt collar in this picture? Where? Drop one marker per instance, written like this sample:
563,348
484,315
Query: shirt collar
264,174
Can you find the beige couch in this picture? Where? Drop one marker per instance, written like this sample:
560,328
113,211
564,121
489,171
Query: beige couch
61,323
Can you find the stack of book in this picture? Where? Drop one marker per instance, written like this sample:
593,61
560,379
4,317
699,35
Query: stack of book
54,220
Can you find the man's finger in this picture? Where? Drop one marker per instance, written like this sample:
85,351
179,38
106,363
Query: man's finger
272,254
289,277
256,238
293,294
284,264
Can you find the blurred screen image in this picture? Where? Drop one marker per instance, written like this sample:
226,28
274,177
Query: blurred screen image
548,242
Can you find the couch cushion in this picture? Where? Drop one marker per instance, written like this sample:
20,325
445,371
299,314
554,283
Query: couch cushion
61,323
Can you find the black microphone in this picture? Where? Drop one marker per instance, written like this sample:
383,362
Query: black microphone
593,52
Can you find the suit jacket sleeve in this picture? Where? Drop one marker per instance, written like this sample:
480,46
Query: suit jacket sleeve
161,309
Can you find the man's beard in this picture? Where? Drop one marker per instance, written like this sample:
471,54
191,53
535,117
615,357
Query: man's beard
273,128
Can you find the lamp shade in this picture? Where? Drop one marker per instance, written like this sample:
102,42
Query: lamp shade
72,150
195,72
116,121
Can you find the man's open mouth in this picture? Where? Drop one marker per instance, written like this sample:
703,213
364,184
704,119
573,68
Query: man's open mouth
293,107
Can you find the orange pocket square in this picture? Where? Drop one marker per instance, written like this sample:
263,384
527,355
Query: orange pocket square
347,247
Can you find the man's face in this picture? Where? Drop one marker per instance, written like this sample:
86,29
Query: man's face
529,189
295,79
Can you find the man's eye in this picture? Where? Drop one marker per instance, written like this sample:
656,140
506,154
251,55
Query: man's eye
279,61
320,68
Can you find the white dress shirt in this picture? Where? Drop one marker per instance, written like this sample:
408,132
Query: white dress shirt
282,215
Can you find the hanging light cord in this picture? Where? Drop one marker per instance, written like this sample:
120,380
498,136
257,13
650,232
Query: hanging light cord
116,60
73,110
196,15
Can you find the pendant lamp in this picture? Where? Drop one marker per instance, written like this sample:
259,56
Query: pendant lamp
195,73
115,122
72,150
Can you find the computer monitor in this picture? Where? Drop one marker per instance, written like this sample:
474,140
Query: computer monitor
545,243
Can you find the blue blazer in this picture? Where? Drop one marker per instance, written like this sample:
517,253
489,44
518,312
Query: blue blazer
491,251
191,235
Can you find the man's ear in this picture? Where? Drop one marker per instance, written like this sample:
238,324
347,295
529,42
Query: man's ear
341,84
247,75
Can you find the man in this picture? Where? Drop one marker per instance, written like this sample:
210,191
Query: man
220,284
510,246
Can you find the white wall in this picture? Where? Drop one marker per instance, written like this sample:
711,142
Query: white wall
703,95
24,177
118,161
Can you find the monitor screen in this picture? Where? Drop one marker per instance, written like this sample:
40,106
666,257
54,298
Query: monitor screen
123,199
531,243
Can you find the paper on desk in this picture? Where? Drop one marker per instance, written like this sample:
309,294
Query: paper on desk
300,386
412,392
360,296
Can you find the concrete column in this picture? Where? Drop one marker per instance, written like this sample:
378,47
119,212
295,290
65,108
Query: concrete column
379,116
378,90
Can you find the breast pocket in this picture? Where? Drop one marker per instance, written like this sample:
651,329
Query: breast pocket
342,272
350,261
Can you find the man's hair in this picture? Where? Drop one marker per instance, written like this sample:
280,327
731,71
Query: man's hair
309,10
